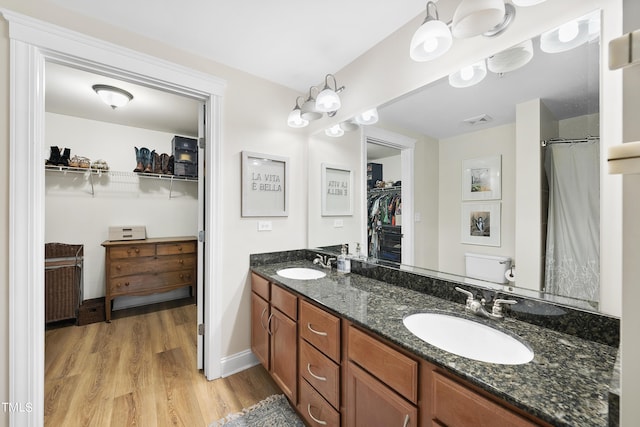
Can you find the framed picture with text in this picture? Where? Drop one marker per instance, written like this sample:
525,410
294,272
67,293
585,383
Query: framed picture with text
264,185
337,190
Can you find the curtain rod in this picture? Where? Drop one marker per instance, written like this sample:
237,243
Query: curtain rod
568,140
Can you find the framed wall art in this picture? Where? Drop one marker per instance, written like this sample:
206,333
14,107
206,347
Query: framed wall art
337,194
482,178
265,189
480,223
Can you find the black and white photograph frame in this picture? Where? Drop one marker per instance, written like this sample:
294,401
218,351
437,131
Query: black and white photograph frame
337,190
482,178
265,185
480,223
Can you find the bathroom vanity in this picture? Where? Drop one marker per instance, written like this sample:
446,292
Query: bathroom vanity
357,364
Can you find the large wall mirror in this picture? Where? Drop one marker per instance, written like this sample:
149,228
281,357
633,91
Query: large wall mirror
534,120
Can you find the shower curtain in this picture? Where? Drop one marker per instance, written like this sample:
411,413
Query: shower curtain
572,262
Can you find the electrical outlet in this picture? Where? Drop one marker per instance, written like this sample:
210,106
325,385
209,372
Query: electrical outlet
338,223
265,226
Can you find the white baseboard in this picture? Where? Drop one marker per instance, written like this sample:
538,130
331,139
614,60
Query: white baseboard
237,362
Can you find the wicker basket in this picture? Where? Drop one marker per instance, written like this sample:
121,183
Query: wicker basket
62,281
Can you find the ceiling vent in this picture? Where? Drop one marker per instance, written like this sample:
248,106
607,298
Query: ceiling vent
478,120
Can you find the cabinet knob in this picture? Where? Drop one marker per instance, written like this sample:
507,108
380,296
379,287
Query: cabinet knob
118,267
137,250
322,423
181,261
126,283
180,248
181,276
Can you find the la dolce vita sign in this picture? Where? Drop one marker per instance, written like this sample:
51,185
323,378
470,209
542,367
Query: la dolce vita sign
264,185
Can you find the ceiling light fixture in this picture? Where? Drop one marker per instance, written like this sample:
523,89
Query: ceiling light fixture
328,100
431,39
334,131
511,59
113,96
509,16
368,117
295,120
308,109
349,125
474,17
569,35
526,3
469,75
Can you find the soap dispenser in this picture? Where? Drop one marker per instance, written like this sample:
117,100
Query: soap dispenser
344,263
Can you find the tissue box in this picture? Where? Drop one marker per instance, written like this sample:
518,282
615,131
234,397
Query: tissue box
127,232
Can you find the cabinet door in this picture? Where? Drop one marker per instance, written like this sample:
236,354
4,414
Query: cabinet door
371,403
284,354
259,333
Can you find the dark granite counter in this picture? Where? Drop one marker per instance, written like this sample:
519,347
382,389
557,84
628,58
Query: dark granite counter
566,384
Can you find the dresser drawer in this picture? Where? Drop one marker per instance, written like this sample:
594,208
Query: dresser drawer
284,301
321,372
320,329
125,267
260,286
132,251
315,410
385,363
150,283
176,248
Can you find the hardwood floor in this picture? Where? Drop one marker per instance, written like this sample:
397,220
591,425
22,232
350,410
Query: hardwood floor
140,370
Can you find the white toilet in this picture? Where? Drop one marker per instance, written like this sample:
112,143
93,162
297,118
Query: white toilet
487,267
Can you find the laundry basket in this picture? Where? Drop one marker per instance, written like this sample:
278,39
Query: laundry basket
62,281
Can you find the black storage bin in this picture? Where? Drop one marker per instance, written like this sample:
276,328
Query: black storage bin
182,143
185,156
374,174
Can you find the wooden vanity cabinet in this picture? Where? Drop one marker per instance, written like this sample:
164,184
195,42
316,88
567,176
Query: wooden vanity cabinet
274,333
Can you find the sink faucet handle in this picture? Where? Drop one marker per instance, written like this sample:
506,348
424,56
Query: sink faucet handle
466,292
497,306
470,298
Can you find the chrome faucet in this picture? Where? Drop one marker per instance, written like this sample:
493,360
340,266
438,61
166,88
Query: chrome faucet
323,260
476,306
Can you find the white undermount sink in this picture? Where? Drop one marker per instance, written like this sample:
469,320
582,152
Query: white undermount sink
467,338
301,273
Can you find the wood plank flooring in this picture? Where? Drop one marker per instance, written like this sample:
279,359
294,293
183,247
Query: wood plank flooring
140,370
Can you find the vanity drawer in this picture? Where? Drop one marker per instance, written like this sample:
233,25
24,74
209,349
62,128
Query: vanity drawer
260,286
131,251
385,363
456,405
315,410
284,301
176,248
321,329
321,372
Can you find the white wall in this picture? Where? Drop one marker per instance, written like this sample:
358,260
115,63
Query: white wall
391,168
74,215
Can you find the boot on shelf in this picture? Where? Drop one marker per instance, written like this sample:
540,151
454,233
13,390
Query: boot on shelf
164,161
157,163
64,159
170,167
54,156
139,160
148,161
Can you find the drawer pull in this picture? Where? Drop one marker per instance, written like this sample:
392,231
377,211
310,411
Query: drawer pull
406,421
319,378
181,276
180,248
269,324
322,423
118,267
322,334
264,310
181,261
126,283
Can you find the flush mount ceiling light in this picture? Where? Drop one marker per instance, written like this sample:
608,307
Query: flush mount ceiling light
334,131
511,59
569,35
328,100
368,117
113,96
295,120
469,76
431,39
474,17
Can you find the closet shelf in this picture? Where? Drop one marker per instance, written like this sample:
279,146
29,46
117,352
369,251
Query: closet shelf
91,173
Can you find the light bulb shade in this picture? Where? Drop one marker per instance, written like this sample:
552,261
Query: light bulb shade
474,17
567,36
431,40
113,96
349,126
334,131
308,110
327,101
468,76
525,3
368,117
512,58
295,120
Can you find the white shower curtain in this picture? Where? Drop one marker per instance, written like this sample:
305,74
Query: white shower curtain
572,262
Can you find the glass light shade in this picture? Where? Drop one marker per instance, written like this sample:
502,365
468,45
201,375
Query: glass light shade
512,58
328,100
469,76
113,96
567,36
474,17
308,110
431,40
525,3
368,117
334,131
349,125
295,120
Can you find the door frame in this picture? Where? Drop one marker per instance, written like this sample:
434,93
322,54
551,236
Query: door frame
32,44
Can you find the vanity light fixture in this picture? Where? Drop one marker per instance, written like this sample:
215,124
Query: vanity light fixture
295,120
367,117
328,100
511,59
113,96
469,75
349,125
334,131
474,17
308,110
526,3
569,35
431,39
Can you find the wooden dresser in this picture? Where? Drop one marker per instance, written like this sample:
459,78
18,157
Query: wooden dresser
143,267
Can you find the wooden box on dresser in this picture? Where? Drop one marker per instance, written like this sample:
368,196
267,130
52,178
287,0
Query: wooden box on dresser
144,267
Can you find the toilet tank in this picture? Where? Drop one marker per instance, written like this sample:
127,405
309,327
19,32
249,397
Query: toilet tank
487,267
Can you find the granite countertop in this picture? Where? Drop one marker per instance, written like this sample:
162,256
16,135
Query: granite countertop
566,384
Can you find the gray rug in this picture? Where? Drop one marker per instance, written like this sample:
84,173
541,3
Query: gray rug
274,411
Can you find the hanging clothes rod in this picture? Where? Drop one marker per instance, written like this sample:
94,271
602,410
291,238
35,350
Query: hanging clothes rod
386,189
568,140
